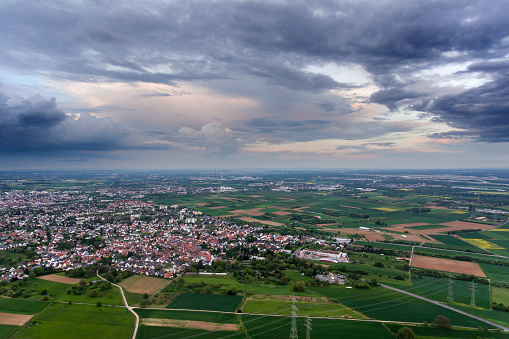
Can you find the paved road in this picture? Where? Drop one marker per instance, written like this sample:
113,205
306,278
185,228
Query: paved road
447,307
127,306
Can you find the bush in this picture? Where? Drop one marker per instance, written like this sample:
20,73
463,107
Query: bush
98,304
361,285
405,333
299,287
378,264
442,321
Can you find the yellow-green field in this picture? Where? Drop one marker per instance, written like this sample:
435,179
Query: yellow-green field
483,244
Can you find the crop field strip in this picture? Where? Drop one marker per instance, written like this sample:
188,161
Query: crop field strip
209,302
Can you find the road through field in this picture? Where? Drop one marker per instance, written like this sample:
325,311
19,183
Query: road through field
447,307
127,306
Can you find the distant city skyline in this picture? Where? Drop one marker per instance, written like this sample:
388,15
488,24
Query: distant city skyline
254,84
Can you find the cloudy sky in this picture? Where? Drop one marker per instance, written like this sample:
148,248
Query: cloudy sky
266,84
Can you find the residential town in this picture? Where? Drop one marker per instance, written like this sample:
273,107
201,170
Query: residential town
70,229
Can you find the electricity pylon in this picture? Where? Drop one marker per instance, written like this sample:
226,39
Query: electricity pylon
308,327
450,293
293,331
472,298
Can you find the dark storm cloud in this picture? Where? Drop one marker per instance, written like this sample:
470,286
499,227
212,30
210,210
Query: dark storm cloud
274,41
483,111
36,125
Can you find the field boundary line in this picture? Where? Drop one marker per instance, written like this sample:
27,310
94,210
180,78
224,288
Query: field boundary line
137,317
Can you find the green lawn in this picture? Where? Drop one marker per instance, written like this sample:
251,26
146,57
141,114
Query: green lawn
21,306
80,321
209,302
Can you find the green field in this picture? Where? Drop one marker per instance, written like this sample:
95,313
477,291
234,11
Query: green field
132,298
384,245
273,289
297,276
452,243
493,315
426,227
150,332
437,288
6,331
279,327
21,306
383,304
110,296
209,302
80,321
304,308
211,279
496,272
35,288
500,295
433,332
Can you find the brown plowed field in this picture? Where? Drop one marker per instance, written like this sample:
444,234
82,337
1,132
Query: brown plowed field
190,324
281,213
266,222
60,279
463,225
255,212
447,265
411,224
143,284
374,237
14,319
217,207
202,204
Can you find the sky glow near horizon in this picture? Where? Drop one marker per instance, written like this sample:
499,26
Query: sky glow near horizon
263,84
